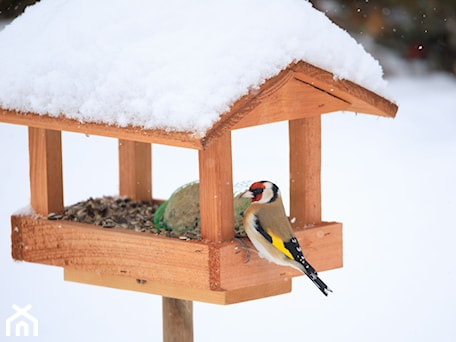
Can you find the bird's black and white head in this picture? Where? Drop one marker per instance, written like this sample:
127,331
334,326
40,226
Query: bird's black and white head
262,192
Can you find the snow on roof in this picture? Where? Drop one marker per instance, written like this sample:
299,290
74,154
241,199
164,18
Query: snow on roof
172,64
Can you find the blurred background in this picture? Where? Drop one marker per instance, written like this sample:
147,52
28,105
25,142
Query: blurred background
421,33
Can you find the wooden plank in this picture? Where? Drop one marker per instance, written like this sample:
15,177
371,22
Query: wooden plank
216,190
177,320
260,291
361,100
46,180
135,170
322,244
245,105
157,136
117,258
145,286
111,251
305,170
294,100
138,255
221,297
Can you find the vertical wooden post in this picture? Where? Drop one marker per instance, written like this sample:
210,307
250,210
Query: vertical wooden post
216,190
177,320
135,170
46,180
305,170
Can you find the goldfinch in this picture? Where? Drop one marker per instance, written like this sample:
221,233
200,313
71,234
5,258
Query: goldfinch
267,226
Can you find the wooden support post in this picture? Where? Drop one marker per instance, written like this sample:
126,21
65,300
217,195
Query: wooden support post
216,190
135,170
46,180
177,320
305,170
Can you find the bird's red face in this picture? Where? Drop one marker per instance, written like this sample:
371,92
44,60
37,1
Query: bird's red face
257,190
262,192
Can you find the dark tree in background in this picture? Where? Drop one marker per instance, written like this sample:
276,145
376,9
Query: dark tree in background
413,29
10,9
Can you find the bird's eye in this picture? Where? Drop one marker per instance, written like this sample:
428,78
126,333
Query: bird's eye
257,191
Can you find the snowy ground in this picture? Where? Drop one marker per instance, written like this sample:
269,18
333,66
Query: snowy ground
391,182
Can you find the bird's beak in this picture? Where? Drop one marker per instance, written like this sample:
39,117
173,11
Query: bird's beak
247,194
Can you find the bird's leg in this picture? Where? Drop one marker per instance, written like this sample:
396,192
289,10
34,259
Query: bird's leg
247,249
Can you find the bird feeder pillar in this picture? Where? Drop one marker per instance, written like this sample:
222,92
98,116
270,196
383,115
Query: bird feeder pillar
305,170
46,180
135,170
216,190
177,320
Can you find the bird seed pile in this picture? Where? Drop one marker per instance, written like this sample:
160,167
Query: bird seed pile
122,212
118,212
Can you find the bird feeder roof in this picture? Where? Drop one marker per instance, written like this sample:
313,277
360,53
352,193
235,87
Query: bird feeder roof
180,72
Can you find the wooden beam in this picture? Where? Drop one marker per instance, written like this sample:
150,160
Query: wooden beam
221,297
177,320
293,100
156,136
361,100
46,180
305,170
135,170
216,190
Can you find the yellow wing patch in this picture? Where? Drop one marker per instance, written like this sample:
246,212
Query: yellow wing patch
279,244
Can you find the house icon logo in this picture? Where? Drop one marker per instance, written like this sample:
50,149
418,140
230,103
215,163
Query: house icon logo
21,322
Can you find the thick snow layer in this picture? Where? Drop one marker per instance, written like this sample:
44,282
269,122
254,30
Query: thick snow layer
169,64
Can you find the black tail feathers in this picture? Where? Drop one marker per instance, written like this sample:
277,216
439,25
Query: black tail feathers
313,275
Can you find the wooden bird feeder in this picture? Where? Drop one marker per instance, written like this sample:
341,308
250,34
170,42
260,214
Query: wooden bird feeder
211,270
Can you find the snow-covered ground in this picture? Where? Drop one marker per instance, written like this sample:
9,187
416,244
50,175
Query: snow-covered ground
391,182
